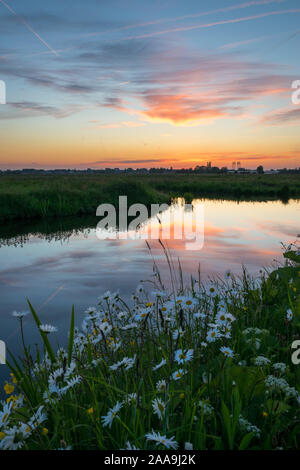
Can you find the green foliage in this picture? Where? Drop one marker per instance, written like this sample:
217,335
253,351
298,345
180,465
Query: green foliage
29,197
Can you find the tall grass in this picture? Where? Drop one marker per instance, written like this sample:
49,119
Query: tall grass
199,366
26,197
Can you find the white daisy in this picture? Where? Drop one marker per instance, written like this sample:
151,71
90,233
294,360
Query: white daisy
178,374
19,314
289,314
169,443
161,385
181,357
48,329
111,415
227,351
159,407
212,335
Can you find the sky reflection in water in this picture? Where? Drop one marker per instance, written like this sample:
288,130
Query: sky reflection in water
56,274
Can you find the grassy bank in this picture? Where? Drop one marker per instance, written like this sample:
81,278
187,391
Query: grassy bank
25,197
202,367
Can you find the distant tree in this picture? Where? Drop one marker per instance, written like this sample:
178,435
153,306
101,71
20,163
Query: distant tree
260,169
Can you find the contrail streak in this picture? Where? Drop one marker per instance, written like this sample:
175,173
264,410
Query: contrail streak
189,16
209,25
41,306
29,27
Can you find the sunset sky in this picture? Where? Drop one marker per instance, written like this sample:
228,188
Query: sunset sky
145,83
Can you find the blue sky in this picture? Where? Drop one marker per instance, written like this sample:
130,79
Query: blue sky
140,83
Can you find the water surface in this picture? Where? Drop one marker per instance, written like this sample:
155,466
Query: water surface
61,267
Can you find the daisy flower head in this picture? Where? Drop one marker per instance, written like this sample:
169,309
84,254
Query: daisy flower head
169,443
19,314
13,438
140,289
159,407
142,315
107,420
48,329
181,357
212,292
227,274
212,335
130,398
289,315
227,351
178,332
178,374
189,302
90,311
221,317
159,294
161,385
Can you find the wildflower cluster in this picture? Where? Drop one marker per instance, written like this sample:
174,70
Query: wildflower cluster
169,370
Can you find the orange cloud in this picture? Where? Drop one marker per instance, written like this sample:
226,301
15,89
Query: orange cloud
178,109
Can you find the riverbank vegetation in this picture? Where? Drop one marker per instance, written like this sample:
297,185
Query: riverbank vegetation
25,197
208,366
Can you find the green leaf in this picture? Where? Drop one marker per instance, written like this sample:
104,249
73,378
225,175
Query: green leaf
71,336
246,441
43,335
292,255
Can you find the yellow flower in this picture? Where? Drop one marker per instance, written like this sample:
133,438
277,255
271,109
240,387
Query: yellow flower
245,308
132,343
44,432
13,378
181,396
265,414
149,304
2,435
8,388
90,411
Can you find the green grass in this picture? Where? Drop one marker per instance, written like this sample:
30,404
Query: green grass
26,197
90,399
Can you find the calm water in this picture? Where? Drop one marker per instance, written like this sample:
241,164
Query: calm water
68,268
